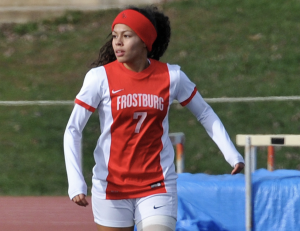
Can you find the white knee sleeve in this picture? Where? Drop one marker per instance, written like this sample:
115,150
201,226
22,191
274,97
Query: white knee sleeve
157,223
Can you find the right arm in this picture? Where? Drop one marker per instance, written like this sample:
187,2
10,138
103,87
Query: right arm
86,103
72,150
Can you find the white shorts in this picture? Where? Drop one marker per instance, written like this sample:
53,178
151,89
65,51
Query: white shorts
128,212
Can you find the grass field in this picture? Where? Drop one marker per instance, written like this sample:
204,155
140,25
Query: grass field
228,48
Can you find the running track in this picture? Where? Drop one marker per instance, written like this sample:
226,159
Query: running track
44,214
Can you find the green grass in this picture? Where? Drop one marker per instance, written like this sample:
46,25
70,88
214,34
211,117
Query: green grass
228,48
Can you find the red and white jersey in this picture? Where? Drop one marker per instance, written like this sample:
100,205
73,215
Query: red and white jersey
134,155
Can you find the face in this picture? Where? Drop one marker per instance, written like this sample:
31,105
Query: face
127,45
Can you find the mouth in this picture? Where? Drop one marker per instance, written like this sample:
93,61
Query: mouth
119,53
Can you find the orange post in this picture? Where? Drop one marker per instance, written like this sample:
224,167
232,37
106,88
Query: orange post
271,157
180,157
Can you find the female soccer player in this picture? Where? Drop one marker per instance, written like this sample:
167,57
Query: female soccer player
134,178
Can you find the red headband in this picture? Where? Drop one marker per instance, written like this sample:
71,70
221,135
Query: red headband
139,24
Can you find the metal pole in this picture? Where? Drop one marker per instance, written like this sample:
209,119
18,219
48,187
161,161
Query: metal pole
248,184
253,158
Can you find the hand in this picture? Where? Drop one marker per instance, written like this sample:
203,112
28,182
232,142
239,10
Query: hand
238,168
80,200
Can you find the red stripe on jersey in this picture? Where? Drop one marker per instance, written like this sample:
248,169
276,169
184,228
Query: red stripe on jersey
190,98
86,106
139,104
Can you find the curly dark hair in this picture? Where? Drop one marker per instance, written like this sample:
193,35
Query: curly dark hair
162,25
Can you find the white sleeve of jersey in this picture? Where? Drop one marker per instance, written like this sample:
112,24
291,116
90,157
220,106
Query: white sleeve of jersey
181,87
90,92
72,150
185,87
215,129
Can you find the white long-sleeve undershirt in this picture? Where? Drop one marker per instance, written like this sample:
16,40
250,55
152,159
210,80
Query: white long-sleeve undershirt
72,150
215,129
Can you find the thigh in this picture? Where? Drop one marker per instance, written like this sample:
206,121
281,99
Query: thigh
157,223
104,228
163,204
113,213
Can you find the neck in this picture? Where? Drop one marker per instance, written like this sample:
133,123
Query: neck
137,66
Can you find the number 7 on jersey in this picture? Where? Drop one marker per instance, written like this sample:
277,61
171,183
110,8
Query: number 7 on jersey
143,116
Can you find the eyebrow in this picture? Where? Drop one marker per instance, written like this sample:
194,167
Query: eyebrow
122,31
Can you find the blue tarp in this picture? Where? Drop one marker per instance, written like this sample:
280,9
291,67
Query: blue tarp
217,202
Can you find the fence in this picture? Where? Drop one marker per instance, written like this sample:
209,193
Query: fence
208,100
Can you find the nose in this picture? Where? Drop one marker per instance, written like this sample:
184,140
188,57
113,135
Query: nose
118,41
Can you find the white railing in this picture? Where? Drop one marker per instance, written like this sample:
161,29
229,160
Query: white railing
208,100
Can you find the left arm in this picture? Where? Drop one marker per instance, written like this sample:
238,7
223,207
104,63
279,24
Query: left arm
216,130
